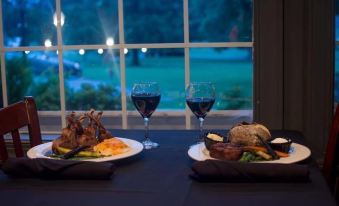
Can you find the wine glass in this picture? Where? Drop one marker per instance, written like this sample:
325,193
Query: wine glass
200,97
146,97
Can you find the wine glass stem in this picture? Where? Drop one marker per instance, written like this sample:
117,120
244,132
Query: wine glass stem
146,121
201,120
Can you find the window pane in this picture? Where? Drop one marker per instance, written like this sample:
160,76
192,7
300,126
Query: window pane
165,66
28,23
230,70
153,21
220,20
97,83
90,22
34,74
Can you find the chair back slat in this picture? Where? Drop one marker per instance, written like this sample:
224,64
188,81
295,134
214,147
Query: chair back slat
34,124
14,117
19,152
3,149
331,156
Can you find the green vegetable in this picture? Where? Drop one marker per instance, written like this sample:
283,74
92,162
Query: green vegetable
250,157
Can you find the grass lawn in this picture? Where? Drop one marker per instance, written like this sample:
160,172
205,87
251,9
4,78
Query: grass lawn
232,79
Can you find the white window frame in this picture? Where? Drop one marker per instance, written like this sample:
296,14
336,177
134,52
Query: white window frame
186,45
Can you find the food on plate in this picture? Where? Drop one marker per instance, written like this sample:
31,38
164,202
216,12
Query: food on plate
281,144
255,149
215,137
87,130
112,146
226,151
212,138
244,145
247,134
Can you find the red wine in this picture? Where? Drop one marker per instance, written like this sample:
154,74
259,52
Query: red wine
200,106
146,103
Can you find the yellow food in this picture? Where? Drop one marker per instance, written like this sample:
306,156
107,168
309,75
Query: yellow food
63,150
263,155
215,137
112,146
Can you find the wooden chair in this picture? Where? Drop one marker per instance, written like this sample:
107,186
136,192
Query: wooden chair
14,117
331,161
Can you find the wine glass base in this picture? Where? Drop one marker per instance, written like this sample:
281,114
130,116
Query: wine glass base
148,144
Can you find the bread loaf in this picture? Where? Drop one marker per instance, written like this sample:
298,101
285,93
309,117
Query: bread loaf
246,134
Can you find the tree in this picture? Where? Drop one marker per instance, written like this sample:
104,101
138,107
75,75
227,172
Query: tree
19,78
149,21
46,94
235,99
105,97
220,20
90,22
31,22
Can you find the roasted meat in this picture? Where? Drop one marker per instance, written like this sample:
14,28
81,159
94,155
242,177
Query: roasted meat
75,134
104,134
226,151
68,137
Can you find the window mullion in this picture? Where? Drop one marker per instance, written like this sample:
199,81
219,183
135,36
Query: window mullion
187,59
61,65
122,64
3,64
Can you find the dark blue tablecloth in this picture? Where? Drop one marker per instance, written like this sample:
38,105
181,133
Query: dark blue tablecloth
161,177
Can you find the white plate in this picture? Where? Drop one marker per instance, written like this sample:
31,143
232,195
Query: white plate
297,153
41,150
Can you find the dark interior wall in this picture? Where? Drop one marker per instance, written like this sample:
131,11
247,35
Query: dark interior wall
295,66
268,62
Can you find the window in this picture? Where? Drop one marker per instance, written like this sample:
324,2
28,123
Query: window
77,55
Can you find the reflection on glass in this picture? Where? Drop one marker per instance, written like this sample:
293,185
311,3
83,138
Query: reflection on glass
109,41
28,23
48,43
34,74
153,21
55,20
90,22
220,20
166,66
232,72
97,84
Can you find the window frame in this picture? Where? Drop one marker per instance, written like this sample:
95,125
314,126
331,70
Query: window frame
186,45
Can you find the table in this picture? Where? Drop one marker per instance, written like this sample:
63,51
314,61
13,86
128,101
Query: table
160,177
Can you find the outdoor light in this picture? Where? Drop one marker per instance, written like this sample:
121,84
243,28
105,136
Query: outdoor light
55,20
125,51
109,41
81,51
27,52
100,51
48,43
144,50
